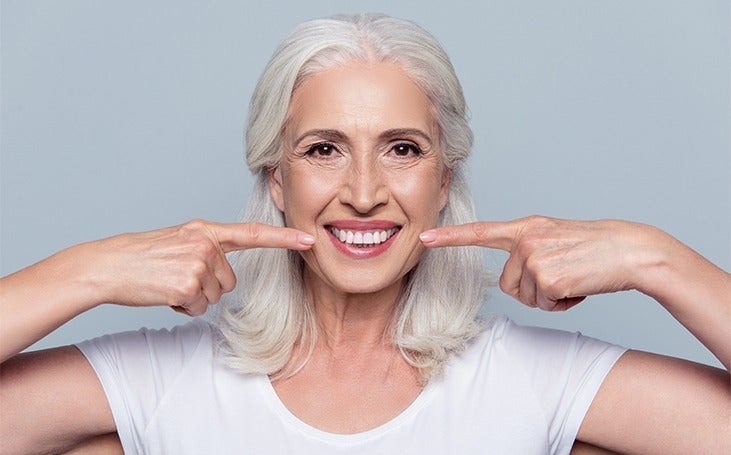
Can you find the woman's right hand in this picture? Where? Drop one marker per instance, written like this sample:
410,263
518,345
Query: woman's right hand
183,267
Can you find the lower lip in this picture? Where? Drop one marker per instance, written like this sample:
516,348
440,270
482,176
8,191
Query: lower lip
361,252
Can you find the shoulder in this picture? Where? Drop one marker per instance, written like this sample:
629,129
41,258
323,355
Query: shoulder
541,380
544,362
185,336
158,350
531,344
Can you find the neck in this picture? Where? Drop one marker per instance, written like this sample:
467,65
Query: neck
352,322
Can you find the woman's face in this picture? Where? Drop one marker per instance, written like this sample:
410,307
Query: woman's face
361,170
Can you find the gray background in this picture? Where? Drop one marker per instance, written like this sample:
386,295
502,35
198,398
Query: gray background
126,116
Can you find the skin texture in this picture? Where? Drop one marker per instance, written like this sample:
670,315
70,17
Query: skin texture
361,112
370,115
181,266
374,160
648,403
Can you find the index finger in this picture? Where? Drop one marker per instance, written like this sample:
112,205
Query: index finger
240,236
490,234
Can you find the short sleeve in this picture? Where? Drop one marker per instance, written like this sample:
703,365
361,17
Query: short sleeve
137,368
565,370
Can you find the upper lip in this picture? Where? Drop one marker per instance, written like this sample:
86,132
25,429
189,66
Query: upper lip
356,225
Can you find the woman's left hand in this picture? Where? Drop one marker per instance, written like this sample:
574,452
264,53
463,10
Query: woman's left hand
554,264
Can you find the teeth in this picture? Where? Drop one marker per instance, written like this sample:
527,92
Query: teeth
362,237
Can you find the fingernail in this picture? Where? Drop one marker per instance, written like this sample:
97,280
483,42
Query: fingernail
428,236
306,239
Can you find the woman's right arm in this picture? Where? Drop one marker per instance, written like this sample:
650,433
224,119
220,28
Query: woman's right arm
53,396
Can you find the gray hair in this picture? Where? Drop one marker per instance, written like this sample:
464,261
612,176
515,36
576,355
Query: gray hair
270,318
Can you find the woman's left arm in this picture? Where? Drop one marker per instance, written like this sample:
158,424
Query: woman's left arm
648,403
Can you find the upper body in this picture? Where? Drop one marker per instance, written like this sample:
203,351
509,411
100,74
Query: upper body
492,398
359,151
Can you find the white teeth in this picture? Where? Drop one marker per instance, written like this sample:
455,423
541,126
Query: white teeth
362,237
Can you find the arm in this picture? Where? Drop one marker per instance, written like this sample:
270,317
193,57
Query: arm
554,264
184,267
51,401
108,444
648,403
652,404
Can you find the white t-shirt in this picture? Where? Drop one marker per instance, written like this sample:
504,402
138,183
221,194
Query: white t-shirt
515,390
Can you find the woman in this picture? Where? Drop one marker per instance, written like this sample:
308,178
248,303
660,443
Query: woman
352,328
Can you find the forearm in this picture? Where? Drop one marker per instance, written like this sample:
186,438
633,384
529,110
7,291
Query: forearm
38,299
695,291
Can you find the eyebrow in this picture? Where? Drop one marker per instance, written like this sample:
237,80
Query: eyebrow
401,132
330,135
336,135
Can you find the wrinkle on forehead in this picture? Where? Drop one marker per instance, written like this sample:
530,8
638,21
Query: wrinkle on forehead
320,100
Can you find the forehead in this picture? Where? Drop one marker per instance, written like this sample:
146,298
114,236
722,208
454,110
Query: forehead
360,96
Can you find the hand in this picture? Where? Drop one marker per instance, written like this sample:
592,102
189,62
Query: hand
554,264
184,267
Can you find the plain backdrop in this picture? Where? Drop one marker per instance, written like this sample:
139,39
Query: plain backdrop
128,115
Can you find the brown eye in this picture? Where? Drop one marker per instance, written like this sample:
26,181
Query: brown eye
405,150
321,149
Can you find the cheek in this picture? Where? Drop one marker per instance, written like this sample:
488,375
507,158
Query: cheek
305,195
420,197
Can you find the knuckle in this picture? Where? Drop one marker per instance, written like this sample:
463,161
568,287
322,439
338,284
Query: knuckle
189,289
228,282
255,231
504,284
525,246
479,230
196,223
203,248
529,249
532,264
193,226
198,269
544,303
552,288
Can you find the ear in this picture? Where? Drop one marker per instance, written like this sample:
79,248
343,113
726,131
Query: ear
275,187
444,190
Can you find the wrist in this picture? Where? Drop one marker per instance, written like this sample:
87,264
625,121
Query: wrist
78,281
653,258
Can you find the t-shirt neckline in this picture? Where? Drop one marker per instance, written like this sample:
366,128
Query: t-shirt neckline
308,430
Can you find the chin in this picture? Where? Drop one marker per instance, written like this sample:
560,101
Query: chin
359,281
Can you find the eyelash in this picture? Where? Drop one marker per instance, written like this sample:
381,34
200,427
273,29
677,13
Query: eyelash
330,148
313,149
407,146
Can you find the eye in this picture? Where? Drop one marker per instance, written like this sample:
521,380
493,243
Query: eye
406,150
321,149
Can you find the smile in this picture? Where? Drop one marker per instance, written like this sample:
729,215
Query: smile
363,238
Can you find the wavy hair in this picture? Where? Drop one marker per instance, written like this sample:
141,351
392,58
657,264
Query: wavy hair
269,318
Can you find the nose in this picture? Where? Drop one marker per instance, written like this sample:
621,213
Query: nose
365,188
